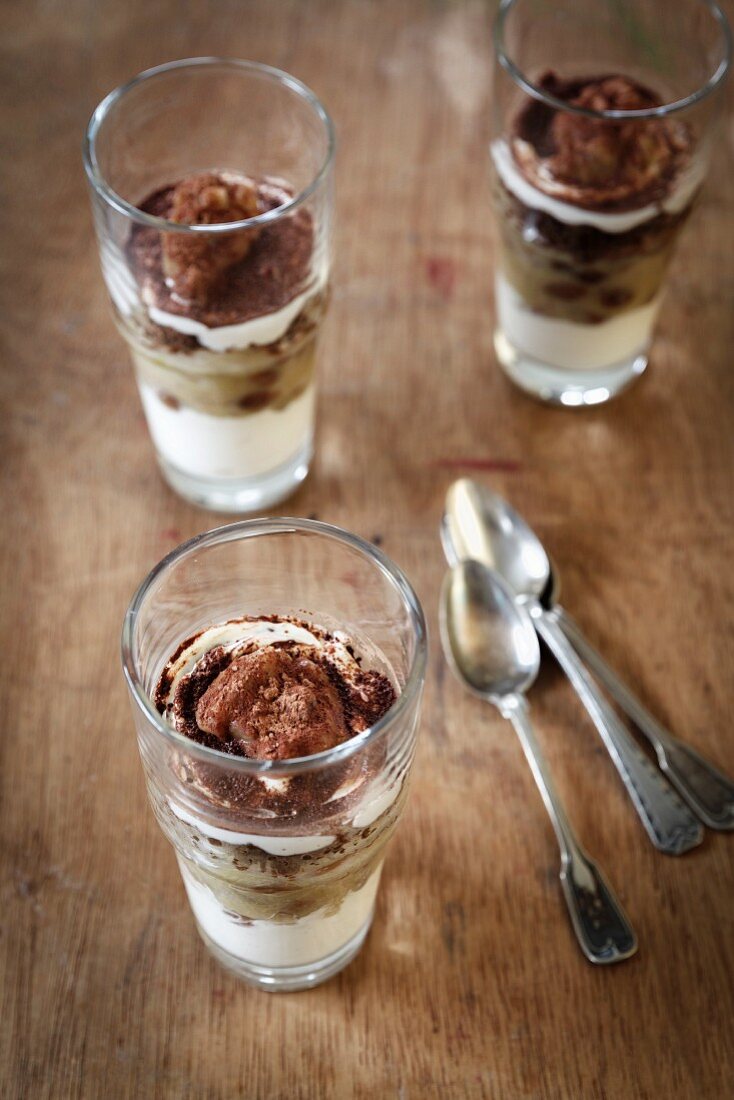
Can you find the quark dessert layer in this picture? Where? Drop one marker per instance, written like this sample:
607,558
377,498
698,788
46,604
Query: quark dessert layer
281,944
237,447
567,344
588,213
222,328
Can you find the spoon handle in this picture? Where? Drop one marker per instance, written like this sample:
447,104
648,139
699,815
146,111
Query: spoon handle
669,823
599,921
706,790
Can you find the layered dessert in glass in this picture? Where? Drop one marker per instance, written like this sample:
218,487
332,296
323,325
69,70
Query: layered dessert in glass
225,351
595,172
277,746
274,689
217,260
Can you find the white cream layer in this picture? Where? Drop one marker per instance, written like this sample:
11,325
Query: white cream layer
274,845
275,944
377,799
569,345
265,329
229,446
686,186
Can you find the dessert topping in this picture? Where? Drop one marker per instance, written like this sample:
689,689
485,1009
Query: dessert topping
255,687
225,278
194,263
277,703
597,162
271,700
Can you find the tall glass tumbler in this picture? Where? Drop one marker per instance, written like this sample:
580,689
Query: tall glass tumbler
603,118
211,184
282,888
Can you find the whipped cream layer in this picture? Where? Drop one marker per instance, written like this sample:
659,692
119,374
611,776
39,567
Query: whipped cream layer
256,332
375,801
273,845
677,199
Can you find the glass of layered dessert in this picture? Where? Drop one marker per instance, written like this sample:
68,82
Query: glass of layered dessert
603,122
276,671
212,199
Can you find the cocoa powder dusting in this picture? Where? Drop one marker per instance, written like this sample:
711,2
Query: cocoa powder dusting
277,703
273,701
224,279
193,265
599,163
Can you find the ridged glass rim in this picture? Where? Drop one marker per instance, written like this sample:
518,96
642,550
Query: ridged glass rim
648,112
103,188
252,528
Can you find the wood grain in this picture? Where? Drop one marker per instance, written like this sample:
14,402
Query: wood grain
470,984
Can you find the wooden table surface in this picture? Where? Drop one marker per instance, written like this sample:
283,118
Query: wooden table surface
470,984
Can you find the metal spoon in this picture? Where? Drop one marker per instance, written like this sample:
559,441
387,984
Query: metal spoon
479,524
491,645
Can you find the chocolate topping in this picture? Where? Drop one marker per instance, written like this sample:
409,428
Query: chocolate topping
274,701
277,703
599,163
194,264
227,278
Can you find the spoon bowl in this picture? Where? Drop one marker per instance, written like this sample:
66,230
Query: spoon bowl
489,639
479,525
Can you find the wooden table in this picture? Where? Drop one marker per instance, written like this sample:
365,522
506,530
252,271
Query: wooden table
471,984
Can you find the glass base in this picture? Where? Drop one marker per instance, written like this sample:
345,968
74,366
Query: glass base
567,387
253,494
289,979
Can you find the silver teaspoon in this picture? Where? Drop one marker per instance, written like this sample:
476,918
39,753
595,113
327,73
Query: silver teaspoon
707,790
491,645
480,525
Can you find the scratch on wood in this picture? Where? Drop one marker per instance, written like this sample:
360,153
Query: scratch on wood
453,926
490,465
138,951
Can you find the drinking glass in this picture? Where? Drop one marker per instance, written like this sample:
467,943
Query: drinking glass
590,188
282,890
221,316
